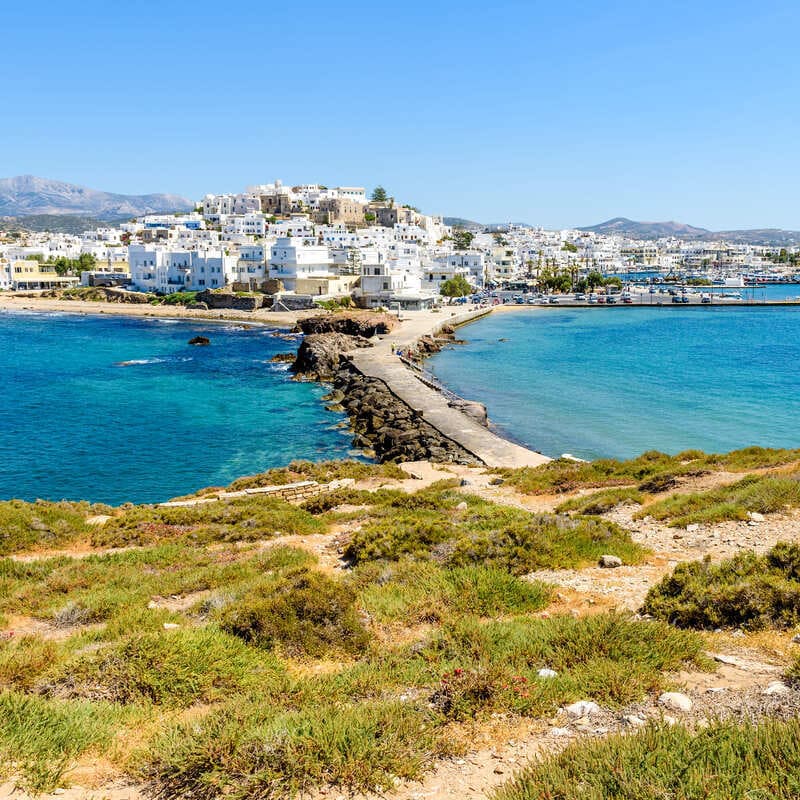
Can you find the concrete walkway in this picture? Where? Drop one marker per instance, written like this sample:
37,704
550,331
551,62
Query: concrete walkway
380,362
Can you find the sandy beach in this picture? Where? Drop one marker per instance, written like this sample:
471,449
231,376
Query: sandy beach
281,319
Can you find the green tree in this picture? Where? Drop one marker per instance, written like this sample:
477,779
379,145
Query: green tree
613,281
379,195
462,239
456,287
595,279
569,247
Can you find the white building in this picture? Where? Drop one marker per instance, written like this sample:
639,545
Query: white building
166,270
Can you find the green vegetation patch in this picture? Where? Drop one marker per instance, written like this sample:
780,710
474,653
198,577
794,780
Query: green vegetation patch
168,667
253,751
748,591
725,761
760,493
610,658
410,592
302,611
27,526
431,525
39,739
603,501
237,519
651,472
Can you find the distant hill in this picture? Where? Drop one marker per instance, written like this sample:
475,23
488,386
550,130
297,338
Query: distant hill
57,223
622,226
26,195
646,230
460,222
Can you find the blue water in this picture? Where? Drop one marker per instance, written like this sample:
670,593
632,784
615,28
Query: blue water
603,382
77,424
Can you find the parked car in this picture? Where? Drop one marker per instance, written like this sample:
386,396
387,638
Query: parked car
553,301
611,300
580,296
601,299
627,299
592,299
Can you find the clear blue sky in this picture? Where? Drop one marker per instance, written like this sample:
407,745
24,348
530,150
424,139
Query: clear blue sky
558,113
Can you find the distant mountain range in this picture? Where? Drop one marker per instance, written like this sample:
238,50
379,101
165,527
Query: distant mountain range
26,195
655,230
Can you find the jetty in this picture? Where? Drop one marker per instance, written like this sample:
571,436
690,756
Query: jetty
433,405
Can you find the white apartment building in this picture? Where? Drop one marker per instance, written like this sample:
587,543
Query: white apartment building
166,270
300,266
470,260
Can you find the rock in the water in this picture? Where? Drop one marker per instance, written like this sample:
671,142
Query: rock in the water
318,355
676,701
547,673
200,340
283,358
583,708
610,562
351,323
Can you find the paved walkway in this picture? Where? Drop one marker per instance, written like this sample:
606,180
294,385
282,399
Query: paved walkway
380,362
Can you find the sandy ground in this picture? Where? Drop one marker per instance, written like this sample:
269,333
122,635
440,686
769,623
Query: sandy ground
47,304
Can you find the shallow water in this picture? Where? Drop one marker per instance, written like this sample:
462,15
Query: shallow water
617,382
117,409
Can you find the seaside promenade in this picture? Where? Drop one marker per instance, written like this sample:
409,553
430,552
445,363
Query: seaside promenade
382,362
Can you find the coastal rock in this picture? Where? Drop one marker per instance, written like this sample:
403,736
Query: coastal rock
202,341
610,562
283,358
676,701
351,323
319,354
776,687
583,708
473,409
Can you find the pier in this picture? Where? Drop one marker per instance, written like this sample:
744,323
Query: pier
381,362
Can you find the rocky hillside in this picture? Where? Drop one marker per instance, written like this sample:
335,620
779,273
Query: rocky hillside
27,195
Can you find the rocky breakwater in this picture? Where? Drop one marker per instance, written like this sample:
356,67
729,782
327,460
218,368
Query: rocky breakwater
382,423
329,336
385,425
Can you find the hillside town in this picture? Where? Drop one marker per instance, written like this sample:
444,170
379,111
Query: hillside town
309,243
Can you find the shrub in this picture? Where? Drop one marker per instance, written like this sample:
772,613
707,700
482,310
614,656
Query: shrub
241,518
303,611
23,659
748,590
256,751
39,739
762,493
428,525
721,762
172,668
25,526
423,592
651,471
601,502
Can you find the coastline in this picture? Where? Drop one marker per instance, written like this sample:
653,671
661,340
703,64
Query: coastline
277,319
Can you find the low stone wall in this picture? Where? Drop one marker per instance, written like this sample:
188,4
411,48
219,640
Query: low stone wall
219,300
386,425
291,492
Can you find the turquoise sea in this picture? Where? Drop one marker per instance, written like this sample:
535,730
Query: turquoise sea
617,382
116,409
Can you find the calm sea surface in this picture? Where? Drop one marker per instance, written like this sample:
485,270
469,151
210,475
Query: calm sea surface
617,382
115,410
